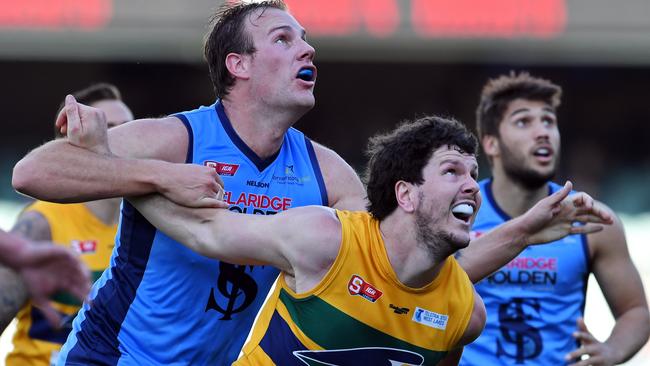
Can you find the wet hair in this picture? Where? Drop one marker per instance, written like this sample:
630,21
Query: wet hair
92,94
498,93
403,153
228,35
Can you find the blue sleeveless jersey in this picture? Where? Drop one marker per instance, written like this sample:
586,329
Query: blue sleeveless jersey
160,303
533,302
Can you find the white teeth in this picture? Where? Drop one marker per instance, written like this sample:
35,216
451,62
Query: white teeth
543,151
463,208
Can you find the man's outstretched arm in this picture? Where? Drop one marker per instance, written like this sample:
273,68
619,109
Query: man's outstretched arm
134,158
248,239
552,218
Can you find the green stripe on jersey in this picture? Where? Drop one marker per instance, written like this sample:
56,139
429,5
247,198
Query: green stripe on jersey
333,329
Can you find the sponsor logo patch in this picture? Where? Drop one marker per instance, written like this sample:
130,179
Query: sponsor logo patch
430,318
357,286
225,169
399,310
84,246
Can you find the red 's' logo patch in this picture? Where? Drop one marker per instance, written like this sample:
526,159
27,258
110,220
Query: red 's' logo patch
223,168
357,286
84,246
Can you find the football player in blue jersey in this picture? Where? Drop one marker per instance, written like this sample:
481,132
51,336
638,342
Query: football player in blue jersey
535,303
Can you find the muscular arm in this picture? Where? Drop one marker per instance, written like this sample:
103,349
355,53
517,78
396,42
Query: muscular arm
134,158
31,225
62,172
249,239
344,188
621,284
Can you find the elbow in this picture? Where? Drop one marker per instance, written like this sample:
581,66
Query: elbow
23,178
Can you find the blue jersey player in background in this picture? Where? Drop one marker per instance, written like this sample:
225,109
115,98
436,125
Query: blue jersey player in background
535,303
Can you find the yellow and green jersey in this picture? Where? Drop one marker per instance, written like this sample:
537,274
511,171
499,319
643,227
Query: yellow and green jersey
360,313
74,226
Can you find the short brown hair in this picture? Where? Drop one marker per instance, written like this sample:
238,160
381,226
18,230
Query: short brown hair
403,153
228,36
92,94
499,92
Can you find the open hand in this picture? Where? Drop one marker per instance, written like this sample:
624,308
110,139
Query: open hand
559,215
597,353
46,269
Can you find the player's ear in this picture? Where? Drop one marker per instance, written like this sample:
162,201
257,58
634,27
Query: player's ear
490,144
406,196
238,65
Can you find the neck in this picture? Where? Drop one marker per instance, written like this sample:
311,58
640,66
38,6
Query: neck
261,127
414,265
513,197
107,211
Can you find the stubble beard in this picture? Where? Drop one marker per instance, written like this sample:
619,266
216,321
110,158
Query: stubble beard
438,244
516,170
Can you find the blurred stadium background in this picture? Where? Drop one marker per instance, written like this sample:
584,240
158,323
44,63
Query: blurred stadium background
379,61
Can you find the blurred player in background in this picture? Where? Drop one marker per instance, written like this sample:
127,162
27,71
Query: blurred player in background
88,228
535,303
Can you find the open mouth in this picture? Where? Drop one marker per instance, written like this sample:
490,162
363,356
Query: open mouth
307,74
543,152
463,211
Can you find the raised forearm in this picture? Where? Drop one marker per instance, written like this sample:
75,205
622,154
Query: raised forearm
492,250
61,172
630,333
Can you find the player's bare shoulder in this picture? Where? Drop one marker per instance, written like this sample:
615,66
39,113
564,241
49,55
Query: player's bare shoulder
165,138
344,188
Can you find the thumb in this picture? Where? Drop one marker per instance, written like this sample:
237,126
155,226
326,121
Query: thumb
560,195
72,114
580,323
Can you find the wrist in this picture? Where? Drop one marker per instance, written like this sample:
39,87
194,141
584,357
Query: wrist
518,230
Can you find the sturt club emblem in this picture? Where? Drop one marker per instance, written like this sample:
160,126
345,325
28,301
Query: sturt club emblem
519,340
236,287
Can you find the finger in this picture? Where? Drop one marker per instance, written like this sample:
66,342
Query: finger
72,114
576,354
581,325
583,200
560,195
62,121
51,315
585,338
597,217
217,178
586,229
586,362
79,287
210,202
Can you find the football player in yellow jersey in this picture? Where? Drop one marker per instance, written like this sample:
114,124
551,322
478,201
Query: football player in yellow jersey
373,287
88,228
